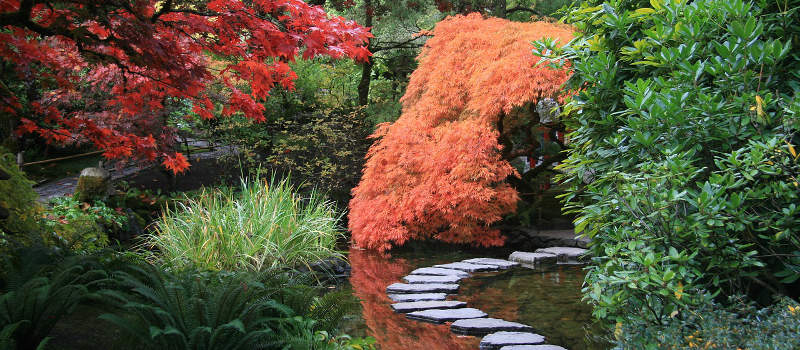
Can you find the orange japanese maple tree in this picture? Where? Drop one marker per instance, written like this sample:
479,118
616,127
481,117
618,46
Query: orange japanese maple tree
123,60
440,171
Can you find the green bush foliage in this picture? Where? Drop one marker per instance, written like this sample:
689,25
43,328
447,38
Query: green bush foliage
683,162
739,325
37,289
189,310
79,226
18,197
261,225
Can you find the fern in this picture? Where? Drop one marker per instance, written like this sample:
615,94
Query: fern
191,310
36,295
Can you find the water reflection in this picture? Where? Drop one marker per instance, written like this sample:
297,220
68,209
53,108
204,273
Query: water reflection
547,300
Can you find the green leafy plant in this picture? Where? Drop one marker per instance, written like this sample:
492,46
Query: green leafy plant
80,226
210,310
18,199
259,226
737,325
38,289
683,168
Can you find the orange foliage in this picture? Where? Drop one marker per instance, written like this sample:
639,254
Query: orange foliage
438,170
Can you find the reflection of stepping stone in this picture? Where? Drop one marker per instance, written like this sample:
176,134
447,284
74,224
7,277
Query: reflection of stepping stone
529,259
441,316
566,254
423,279
435,271
425,305
404,288
401,298
483,326
497,340
467,267
532,347
504,264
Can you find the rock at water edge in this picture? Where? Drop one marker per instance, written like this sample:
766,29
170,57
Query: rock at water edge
503,264
497,340
425,305
467,267
566,254
435,271
427,279
405,288
442,316
529,259
417,297
483,326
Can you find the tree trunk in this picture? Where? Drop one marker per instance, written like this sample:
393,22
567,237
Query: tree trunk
366,67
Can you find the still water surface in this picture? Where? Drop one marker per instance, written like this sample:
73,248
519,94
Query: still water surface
548,300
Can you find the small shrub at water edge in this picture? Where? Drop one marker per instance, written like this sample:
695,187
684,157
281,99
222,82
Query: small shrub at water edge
260,226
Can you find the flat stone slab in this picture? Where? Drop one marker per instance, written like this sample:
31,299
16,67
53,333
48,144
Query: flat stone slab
435,271
566,254
446,315
529,259
497,340
483,326
532,347
425,305
405,288
467,267
503,264
417,297
426,279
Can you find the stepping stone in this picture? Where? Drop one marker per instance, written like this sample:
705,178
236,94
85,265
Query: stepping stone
442,316
503,264
529,259
497,340
423,279
566,254
532,347
483,326
401,298
405,288
435,271
425,305
467,267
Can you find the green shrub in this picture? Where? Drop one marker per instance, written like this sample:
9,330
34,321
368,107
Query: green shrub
38,288
18,197
190,310
79,226
683,168
260,226
738,326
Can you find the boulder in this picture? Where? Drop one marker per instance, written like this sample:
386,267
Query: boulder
93,184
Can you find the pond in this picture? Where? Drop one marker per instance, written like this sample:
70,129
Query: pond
548,300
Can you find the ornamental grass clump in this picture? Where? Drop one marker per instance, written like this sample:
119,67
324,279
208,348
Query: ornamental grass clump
263,225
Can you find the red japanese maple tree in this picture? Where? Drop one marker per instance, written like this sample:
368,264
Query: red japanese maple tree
136,55
439,170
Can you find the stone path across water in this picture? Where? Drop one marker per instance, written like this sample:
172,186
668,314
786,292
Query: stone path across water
423,298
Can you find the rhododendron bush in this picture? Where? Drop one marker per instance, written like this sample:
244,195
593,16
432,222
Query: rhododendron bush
137,55
439,171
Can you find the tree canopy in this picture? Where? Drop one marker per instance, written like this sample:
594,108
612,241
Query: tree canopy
136,55
439,171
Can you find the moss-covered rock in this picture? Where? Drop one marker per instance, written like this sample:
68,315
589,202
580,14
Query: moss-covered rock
93,184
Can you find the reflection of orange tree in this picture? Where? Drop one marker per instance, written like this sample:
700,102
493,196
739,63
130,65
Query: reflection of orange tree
372,272
492,301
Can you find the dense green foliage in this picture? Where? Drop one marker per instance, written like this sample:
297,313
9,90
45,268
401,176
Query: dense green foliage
258,226
683,167
740,325
220,311
79,226
37,289
17,196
